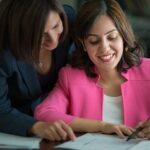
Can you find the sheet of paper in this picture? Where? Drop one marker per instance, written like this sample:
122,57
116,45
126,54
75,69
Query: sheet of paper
8,140
12,147
144,145
97,141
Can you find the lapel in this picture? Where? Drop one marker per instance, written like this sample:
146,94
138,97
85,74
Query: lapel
30,78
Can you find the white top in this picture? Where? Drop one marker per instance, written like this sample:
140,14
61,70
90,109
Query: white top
112,109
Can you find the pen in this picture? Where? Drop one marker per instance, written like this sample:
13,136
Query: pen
136,131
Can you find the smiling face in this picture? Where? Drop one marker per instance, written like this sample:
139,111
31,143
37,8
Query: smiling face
52,31
104,44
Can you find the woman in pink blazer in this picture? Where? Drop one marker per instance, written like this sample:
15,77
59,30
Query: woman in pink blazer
106,88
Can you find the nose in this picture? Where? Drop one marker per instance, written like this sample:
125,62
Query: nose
52,37
104,45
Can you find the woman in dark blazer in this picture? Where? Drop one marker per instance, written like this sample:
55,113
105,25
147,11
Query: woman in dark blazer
34,45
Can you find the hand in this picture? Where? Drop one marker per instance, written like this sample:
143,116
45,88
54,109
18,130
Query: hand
56,131
145,132
120,130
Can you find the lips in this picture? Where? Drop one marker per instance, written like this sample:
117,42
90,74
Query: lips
106,58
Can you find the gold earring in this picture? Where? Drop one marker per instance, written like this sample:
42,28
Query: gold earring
126,49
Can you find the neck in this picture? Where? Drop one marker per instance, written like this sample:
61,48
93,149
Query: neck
110,76
111,82
44,54
45,62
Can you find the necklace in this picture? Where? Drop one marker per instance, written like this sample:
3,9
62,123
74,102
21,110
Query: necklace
40,64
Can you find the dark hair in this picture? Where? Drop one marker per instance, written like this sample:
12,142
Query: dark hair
22,24
87,14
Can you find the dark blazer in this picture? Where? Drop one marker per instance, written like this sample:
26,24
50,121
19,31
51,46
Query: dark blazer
20,89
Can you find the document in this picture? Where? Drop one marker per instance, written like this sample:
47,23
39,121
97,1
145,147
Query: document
144,145
97,141
14,141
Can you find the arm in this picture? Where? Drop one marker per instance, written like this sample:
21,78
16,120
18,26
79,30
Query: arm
88,125
57,104
12,120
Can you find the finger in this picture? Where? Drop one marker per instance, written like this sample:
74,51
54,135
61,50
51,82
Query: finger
48,135
140,134
119,132
69,131
131,129
127,131
53,133
60,130
147,135
146,129
71,134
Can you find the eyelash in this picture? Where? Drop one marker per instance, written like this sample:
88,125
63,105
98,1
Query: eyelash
97,41
94,42
57,25
112,38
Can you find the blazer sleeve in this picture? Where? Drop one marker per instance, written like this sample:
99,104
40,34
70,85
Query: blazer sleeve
57,104
12,120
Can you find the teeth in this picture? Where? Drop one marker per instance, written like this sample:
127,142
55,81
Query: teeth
106,57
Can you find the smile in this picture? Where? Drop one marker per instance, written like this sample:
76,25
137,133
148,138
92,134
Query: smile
106,58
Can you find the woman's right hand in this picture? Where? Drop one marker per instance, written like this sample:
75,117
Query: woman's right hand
53,131
119,129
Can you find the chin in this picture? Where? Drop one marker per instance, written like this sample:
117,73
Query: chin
51,48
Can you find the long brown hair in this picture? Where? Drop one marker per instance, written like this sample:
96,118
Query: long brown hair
22,24
87,14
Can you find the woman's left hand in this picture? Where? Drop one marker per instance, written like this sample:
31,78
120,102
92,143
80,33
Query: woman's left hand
145,132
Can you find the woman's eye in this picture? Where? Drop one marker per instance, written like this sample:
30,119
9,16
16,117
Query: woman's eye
113,37
93,42
57,25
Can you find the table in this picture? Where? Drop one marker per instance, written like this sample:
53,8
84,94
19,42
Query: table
47,145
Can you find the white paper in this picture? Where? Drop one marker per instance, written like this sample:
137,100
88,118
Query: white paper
144,145
8,140
97,141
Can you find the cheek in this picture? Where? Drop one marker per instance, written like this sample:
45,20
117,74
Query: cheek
91,55
61,28
119,47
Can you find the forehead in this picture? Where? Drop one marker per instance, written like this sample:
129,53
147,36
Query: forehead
102,25
52,20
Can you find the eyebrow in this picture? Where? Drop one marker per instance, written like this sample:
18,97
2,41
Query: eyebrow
57,23
91,34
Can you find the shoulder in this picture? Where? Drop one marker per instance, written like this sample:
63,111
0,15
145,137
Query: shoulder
145,63
73,74
140,72
8,63
143,67
68,70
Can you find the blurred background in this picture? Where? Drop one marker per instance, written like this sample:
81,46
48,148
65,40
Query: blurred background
138,13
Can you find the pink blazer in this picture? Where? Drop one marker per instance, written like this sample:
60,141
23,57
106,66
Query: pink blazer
77,95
